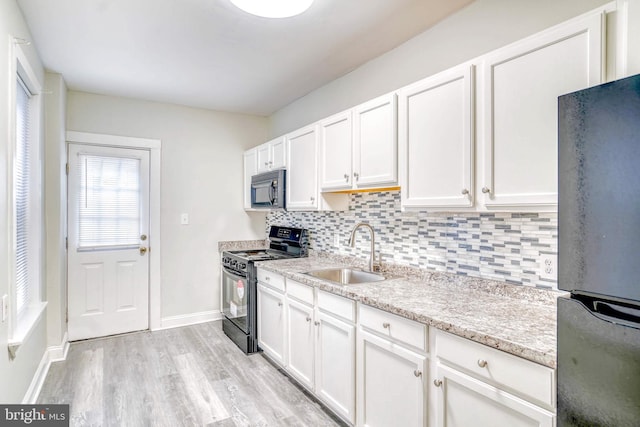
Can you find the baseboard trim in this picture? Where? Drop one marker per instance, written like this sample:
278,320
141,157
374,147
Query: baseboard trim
189,319
54,353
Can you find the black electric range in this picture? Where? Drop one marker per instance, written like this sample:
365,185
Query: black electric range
240,282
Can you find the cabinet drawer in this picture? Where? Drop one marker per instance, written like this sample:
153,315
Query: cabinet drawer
300,291
270,279
334,304
515,374
393,326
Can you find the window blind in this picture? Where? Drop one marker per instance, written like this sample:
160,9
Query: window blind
108,202
22,174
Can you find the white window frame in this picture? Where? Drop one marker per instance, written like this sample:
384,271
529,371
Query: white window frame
22,324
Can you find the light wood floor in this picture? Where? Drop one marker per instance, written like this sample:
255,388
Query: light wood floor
191,376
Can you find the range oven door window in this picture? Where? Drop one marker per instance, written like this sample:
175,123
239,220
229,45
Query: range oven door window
235,294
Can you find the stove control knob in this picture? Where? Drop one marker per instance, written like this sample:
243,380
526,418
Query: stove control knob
242,266
225,260
233,262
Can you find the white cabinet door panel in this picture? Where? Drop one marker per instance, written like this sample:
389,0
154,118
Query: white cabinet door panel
302,172
263,154
522,84
391,384
336,146
278,153
300,342
436,140
271,323
250,169
376,142
335,365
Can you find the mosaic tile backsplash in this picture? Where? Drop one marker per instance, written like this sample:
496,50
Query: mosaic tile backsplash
508,247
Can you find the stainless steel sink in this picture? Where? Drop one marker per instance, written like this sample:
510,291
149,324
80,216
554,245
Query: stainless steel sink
346,276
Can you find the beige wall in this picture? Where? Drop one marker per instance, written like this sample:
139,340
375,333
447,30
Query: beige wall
202,174
15,374
479,28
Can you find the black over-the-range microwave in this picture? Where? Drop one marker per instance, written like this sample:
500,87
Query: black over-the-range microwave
268,190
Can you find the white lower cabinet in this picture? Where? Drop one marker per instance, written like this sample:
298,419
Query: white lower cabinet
300,330
271,323
392,375
463,401
335,364
475,386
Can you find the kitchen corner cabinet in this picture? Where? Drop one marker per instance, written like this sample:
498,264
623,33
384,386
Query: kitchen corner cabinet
501,389
392,375
271,155
302,172
436,140
271,316
521,86
250,169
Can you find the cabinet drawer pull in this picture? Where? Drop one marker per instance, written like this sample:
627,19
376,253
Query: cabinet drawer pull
386,325
267,278
308,319
417,373
437,383
482,363
486,190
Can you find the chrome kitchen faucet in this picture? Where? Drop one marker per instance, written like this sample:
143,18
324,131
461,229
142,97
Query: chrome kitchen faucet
352,242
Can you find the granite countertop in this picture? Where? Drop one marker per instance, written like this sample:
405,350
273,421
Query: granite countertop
516,319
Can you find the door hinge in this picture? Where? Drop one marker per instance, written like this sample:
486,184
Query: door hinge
67,168
66,316
66,243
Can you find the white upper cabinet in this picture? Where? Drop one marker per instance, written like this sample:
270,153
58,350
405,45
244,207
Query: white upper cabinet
272,155
336,152
302,172
250,169
436,140
521,86
375,142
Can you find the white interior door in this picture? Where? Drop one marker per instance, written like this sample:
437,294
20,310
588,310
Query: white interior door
108,211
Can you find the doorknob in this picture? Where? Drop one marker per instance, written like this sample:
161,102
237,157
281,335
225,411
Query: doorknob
143,250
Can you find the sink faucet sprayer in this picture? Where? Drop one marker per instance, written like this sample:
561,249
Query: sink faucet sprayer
352,242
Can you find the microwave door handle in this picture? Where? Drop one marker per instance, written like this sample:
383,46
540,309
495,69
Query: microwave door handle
272,193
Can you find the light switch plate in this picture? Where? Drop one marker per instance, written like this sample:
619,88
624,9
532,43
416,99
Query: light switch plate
184,219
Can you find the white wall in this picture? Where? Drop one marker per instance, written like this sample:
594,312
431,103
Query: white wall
479,28
15,375
202,175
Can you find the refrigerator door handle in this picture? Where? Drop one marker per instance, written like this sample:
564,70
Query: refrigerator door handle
618,313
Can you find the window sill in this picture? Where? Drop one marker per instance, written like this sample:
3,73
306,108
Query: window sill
26,324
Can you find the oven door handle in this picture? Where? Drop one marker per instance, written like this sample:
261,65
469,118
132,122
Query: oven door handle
232,274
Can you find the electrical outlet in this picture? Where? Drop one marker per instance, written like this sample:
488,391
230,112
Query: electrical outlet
549,266
5,307
336,239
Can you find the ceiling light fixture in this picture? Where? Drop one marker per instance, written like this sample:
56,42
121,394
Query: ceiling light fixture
273,8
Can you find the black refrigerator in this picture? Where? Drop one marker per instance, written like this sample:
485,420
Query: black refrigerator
599,255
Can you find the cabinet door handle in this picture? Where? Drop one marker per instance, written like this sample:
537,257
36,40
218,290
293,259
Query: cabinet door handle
417,373
312,198
279,304
386,325
308,319
267,278
482,363
316,323
437,383
346,177
486,190
464,191
266,163
270,163
356,175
